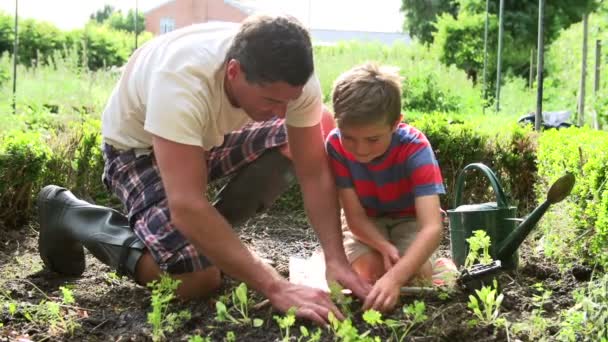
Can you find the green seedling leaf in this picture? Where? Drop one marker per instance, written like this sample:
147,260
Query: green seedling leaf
372,317
257,322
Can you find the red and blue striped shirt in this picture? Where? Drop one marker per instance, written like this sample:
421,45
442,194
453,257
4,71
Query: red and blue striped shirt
389,184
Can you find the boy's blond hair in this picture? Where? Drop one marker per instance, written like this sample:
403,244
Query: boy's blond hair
367,94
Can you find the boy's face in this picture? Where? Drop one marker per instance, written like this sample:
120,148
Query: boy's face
367,141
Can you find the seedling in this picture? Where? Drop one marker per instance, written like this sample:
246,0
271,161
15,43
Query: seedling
198,338
337,295
487,307
162,321
286,322
414,313
316,337
240,303
230,336
479,249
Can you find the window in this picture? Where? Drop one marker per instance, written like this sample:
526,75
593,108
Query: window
167,25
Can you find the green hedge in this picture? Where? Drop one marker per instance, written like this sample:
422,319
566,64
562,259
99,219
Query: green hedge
28,161
578,228
98,46
575,230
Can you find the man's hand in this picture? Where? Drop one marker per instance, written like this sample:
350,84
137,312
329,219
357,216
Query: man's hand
310,303
384,295
343,274
390,255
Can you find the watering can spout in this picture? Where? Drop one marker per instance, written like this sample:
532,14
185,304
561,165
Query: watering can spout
558,191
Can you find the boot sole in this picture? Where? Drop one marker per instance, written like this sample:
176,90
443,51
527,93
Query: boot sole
58,252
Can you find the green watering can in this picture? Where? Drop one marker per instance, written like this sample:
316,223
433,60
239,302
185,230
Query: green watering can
498,219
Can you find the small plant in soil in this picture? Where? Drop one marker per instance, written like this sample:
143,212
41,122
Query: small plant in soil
337,295
163,321
536,326
413,314
198,338
240,304
285,323
346,331
311,337
486,306
479,249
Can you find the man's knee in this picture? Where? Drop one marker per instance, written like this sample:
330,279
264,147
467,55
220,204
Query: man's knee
199,284
193,285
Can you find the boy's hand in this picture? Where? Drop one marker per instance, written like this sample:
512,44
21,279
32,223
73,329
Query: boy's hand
390,255
384,295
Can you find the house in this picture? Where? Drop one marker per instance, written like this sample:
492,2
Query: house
170,15
173,14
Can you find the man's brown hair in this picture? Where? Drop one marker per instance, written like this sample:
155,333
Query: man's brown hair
367,94
272,49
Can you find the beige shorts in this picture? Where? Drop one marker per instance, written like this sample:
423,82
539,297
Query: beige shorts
399,231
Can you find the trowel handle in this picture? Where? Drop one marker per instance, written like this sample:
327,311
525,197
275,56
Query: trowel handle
501,200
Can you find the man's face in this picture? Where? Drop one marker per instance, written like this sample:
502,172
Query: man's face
260,102
367,142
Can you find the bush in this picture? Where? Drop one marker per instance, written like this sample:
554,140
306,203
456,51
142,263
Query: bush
584,153
23,158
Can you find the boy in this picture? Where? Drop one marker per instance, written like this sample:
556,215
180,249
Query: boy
388,182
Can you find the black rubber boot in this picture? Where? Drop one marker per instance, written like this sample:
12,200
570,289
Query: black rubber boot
255,187
68,223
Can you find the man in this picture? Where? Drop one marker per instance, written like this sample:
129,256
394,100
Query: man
173,122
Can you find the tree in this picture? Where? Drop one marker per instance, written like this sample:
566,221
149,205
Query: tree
460,42
421,15
103,14
116,20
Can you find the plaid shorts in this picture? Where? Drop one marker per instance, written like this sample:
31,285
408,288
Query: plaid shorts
135,179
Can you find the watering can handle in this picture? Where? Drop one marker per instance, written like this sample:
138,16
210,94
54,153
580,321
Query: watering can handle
501,200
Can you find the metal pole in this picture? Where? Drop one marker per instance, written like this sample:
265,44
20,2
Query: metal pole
539,65
15,51
596,83
135,19
598,61
582,86
485,58
531,80
499,58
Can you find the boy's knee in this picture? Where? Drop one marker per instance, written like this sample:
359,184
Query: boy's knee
369,266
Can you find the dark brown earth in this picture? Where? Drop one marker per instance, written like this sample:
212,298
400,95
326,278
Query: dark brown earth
110,309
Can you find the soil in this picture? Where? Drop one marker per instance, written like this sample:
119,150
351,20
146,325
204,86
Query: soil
108,308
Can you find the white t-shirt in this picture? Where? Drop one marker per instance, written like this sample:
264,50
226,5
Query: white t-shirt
173,87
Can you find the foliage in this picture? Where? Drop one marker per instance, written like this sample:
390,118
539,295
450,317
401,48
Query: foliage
163,321
459,38
286,322
587,320
479,241
577,229
461,42
486,306
347,332
412,314
420,16
240,304
98,46
428,85
563,65
340,298
23,159
536,326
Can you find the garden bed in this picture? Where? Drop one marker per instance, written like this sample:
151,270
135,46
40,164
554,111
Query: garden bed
106,307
